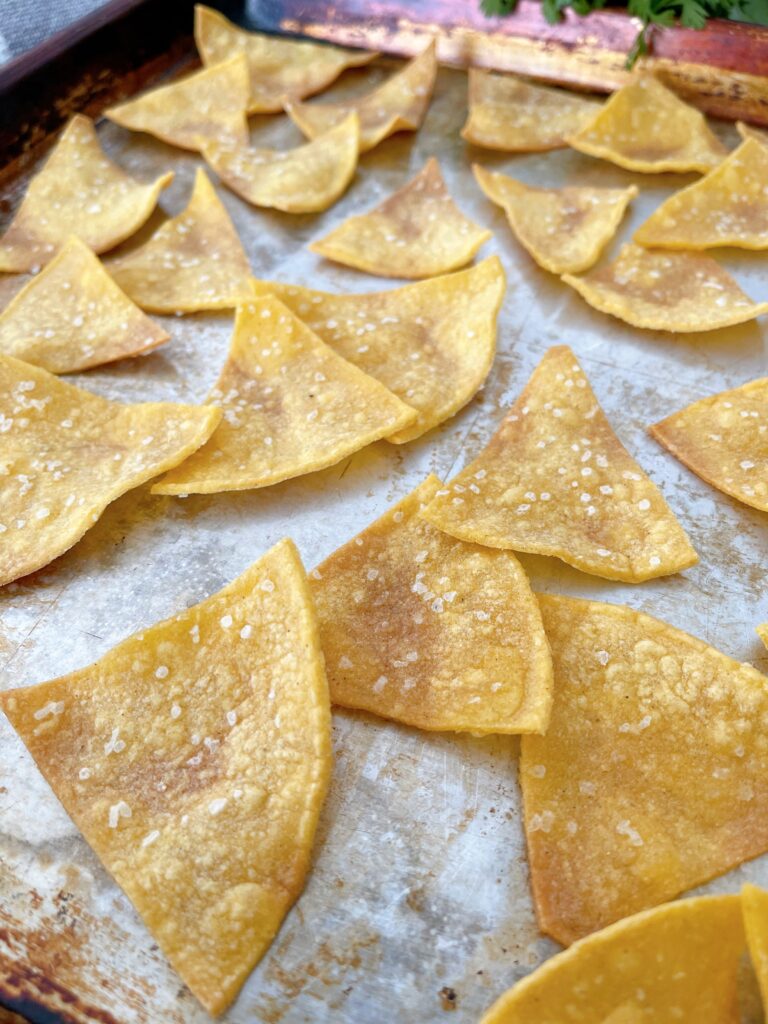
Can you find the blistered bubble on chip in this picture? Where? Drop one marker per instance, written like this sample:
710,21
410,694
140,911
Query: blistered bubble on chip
194,261
667,291
508,113
431,343
652,777
754,906
564,229
724,440
68,453
675,962
646,127
78,192
417,232
427,630
195,757
555,480
307,179
290,406
279,68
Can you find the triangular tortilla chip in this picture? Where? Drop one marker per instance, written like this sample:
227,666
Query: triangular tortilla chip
747,131
279,68
727,207
291,406
78,191
430,631
73,316
417,232
66,454
754,907
653,775
646,127
204,107
431,343
306,179
396,106
724,440
510,114
667,291
564,229
555,480
678,962
194,261
195,757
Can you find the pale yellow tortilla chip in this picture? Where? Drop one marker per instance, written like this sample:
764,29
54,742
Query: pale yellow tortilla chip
747,131
279,68
78,192
73,316
306,179
427,630
516,116
555,480
417,232
675,963
195,757
645,127
67,453
564,229
724,440
398,105
754,906
290,404
667,291
194,261
431,343
762,632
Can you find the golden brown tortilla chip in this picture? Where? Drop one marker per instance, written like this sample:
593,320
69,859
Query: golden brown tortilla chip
754,907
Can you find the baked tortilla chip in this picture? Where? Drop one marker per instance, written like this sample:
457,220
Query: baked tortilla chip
555,480
754,907
667,291
195,757
678,962
417,232
73,316
653,775
427,630
646,127
564,229
194,261
431,343
78,192
279,68
306,179
290,404
516,116
398,105
724,440
66,454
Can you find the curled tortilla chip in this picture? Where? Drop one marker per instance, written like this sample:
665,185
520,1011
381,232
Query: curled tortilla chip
396,106
426,630
564,229
78,192
754,907
510,114
555,480
431,343
653,775
667,291
646,127
194,261
418,232
279,68
195,757
291,406
73,316
67,454
724,440
676,962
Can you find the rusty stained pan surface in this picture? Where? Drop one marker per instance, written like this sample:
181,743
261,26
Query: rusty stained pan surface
418,908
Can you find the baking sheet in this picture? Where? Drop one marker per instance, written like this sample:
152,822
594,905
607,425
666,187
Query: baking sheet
419,899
